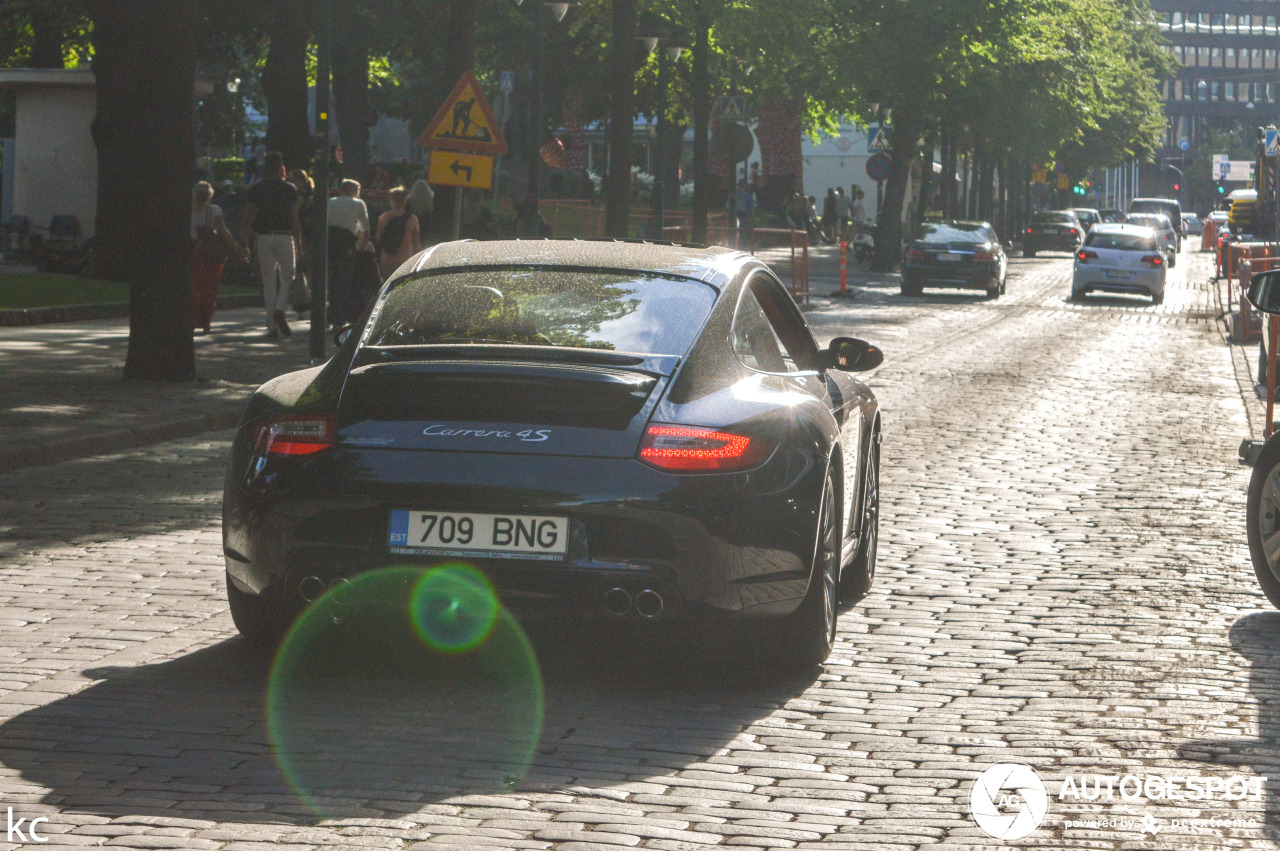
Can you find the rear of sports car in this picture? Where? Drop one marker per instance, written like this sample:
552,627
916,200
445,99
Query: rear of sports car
548,427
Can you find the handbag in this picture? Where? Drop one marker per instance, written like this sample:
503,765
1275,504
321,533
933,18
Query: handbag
210,246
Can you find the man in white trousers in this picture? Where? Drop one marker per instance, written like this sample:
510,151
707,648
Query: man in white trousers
271,217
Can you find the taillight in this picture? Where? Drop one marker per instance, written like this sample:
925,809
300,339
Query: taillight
1153,259
1072,231
979,256
1085,256
915,253
295,434
676,448
1029,230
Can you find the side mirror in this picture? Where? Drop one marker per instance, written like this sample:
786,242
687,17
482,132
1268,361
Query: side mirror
343,334
850,354
1264,292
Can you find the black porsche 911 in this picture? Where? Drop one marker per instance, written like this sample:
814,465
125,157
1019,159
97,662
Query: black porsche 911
610,430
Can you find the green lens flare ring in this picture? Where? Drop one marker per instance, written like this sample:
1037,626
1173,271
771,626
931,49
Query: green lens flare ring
453,608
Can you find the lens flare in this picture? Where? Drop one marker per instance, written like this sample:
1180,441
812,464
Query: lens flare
400,684
453,608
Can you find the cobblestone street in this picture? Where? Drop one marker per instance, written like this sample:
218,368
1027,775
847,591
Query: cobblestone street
1063,582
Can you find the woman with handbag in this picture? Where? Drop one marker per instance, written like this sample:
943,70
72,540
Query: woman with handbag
211,245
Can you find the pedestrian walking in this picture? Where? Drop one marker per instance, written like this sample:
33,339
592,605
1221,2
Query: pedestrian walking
844,213
348,238
211,245
271,220
829,216
746,205
422,203
300,293
398,237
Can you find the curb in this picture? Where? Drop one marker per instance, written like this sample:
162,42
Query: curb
84,445
114,310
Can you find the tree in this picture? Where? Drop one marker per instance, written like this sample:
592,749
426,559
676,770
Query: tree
284,81
144,63
352,42
622,76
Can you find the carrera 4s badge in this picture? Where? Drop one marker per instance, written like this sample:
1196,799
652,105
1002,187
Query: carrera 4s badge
527,435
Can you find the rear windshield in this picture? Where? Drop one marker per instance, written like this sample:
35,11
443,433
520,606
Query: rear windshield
1160,222
1166,207
1121,241
631,312
955,232
1053,218
1086,215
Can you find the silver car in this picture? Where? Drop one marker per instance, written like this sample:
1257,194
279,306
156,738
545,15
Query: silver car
1121,258
1166,231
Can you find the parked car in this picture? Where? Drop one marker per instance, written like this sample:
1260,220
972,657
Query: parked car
955,254
1052,230
1192,225
1167,206
1120,258
608,431
1166,233
1111,216
1088,217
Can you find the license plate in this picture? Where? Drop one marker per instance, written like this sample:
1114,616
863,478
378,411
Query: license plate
1121,275
951,258
455,533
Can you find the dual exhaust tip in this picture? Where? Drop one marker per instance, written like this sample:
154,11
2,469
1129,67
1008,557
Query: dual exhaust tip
647,603
618,602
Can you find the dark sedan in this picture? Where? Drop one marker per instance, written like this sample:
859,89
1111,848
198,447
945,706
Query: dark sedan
955,254
606,430
1052,230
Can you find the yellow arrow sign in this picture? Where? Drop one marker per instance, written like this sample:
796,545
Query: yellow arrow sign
473,171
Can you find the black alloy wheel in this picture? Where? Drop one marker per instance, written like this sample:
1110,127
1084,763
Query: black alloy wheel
858,577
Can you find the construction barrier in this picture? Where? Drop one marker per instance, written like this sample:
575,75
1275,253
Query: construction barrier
1246,259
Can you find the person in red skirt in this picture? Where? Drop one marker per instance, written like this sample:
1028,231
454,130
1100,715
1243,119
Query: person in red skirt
211,245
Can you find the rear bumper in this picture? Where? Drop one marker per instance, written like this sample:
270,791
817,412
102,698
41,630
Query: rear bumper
709,545
1039,242
967,277
1142,282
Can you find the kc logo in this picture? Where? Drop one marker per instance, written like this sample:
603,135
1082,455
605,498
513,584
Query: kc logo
1008,801
15,829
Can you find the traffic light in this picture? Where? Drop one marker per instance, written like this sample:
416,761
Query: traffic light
1177,187
1222,190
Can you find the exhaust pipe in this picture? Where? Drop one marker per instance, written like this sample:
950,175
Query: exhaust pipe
338,608
617,602
311,588
649,603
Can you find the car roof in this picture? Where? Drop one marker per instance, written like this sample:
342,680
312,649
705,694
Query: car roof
1084,210
1155,200
1137,230
715,266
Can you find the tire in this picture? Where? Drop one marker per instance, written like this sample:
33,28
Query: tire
1262,515
1157,298
1004,285
1028,252
808,634
912,288
860,575
1077,295
993,290
257,617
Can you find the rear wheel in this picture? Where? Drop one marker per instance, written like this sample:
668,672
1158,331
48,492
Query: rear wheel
858,577
809,633
1157,298
911,287
1077,293
1262,514
256,616
1028,252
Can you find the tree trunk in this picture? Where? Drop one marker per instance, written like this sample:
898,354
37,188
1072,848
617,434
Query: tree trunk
928,184
672,149
284,82
46,47
906,147
947,183
701,121
145,66
351,88
622,58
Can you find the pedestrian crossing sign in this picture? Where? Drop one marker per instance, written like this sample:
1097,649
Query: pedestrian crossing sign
1273,143
465,122
733,108
877,140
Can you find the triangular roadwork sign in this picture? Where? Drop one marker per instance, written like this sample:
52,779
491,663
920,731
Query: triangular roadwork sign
465,122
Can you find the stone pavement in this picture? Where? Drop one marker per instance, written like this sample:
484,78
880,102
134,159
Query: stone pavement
1063,583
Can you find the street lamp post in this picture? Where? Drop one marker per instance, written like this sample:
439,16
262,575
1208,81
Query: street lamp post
558,11
671,53
320,212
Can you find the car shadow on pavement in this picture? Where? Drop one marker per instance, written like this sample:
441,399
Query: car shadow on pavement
1256,637
380,730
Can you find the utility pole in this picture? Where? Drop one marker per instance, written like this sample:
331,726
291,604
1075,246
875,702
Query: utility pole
320,213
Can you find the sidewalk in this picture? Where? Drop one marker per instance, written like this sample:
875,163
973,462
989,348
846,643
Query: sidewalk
62,395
